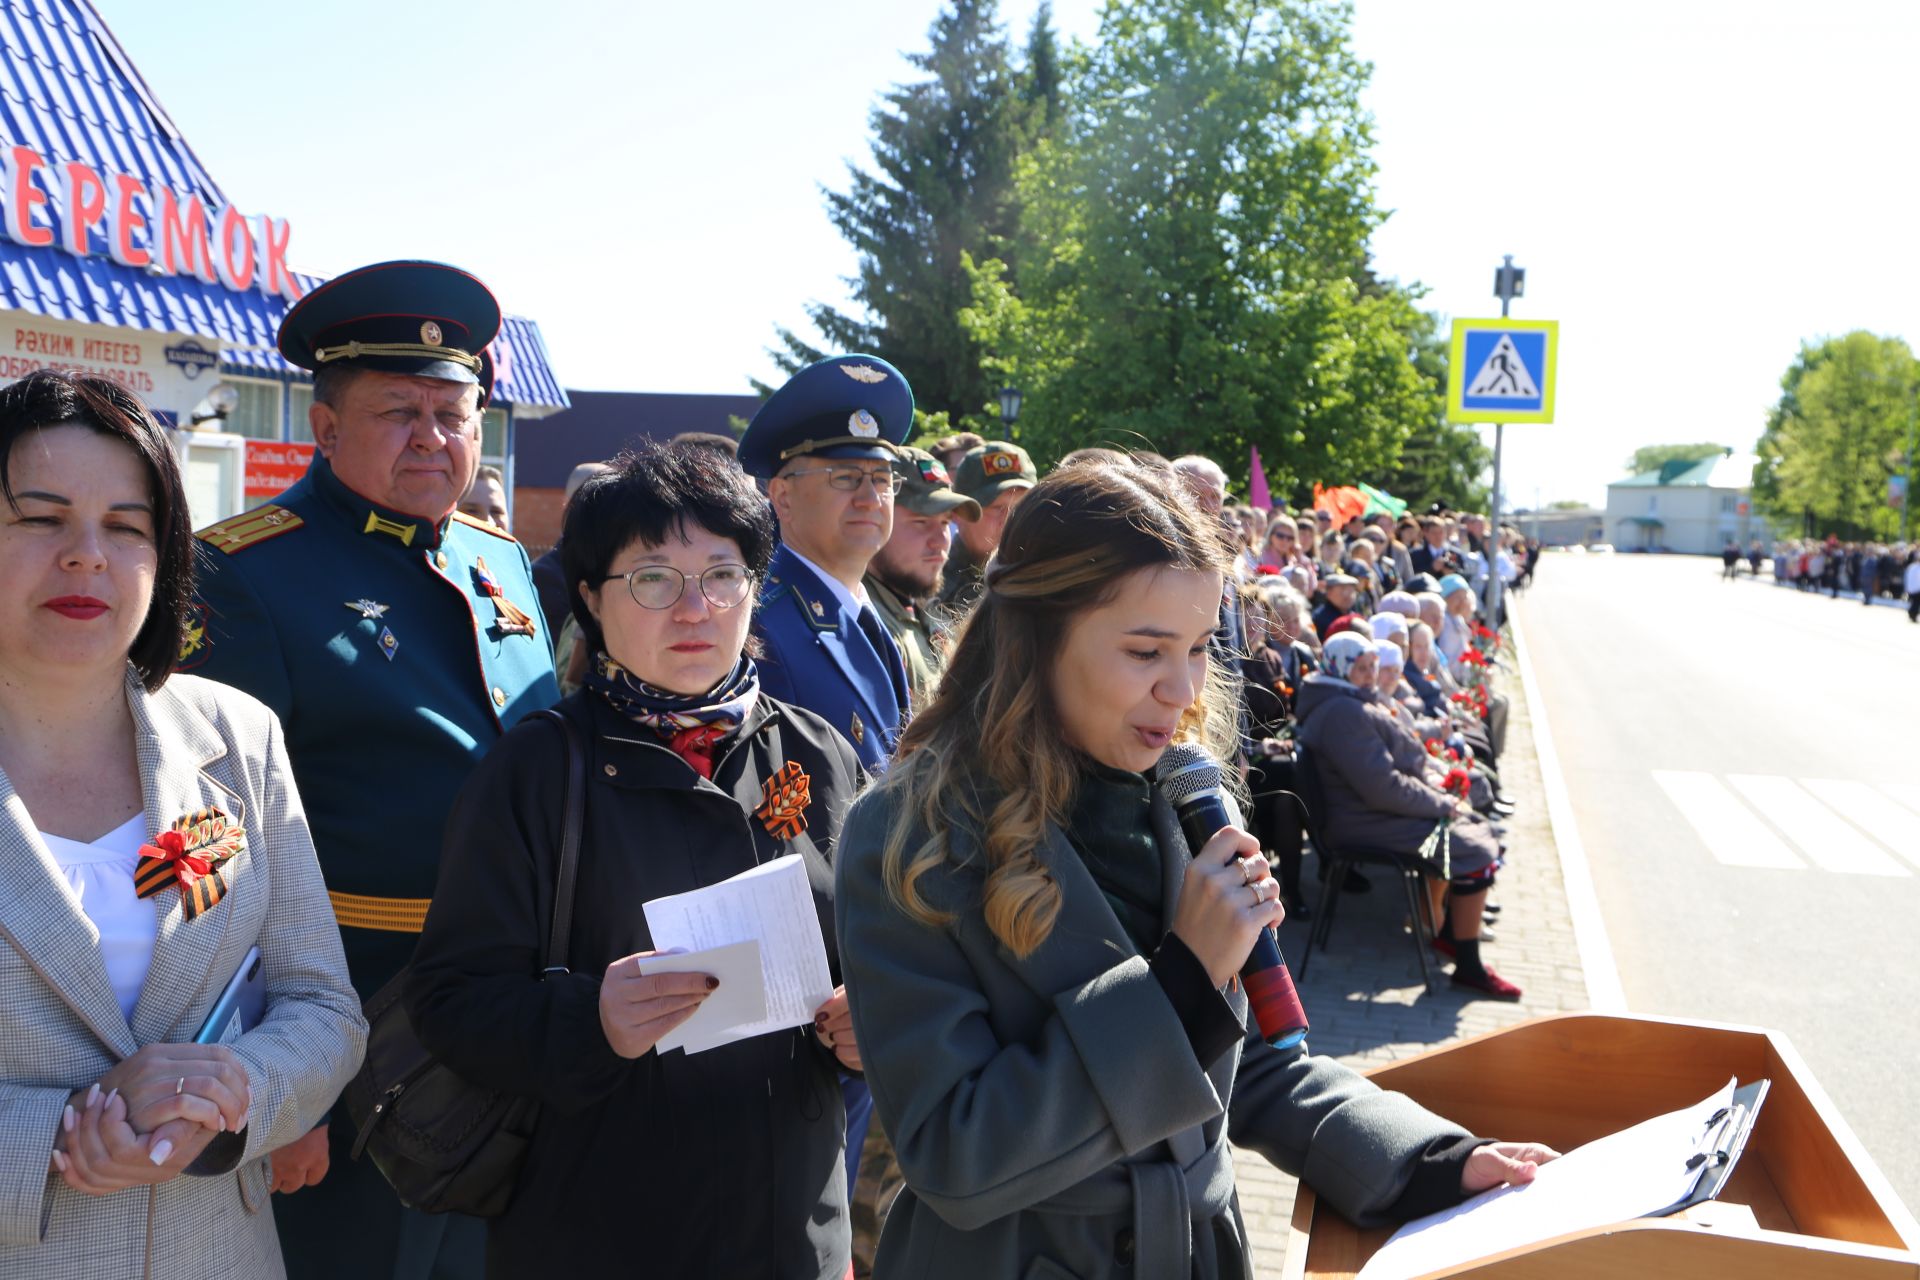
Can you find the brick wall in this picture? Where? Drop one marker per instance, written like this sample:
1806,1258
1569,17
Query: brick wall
536,517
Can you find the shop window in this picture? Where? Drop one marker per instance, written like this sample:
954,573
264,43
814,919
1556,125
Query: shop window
493,437
299,400
258,416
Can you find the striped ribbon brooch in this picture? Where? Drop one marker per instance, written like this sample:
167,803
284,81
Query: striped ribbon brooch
783,802
190,855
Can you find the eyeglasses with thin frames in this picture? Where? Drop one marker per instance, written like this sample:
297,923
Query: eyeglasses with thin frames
850,479
660,586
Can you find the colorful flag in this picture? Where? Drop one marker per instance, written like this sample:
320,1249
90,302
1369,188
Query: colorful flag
1257,495
1379,501
1343,504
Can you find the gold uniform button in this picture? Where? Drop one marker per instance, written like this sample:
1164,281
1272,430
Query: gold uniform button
499,697
440,559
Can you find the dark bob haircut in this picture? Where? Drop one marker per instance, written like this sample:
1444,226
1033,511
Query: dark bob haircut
650,494
50,398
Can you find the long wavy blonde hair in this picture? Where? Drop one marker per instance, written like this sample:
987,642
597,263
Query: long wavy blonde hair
988,750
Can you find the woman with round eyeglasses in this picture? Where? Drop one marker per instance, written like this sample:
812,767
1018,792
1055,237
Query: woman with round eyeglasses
725,1162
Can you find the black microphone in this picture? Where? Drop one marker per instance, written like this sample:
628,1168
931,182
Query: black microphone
1193,784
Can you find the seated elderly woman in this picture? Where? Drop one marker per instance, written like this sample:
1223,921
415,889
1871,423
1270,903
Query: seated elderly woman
1434,733
722,1162
1373,780
152,845
1277,660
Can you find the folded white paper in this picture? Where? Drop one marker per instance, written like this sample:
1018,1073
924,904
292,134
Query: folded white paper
740,998
772,905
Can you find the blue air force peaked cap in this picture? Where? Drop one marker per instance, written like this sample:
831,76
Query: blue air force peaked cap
426,319
847,407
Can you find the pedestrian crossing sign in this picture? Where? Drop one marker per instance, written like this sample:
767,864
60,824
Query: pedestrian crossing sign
1502,370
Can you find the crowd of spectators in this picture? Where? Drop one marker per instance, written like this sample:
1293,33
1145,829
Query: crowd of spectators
1870,570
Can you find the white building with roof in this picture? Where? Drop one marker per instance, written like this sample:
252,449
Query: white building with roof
1687,507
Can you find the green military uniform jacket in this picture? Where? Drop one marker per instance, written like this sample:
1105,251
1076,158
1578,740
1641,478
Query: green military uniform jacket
914,631
377,640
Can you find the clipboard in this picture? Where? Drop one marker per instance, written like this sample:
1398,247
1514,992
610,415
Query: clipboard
1720,1146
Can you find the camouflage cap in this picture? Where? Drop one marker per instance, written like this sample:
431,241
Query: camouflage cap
926,489
993,468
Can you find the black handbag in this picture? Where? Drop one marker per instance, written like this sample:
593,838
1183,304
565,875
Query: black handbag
446,1145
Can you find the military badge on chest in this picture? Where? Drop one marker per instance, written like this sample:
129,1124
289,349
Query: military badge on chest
373,611
509,619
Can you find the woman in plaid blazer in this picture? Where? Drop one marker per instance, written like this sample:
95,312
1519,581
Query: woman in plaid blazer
150,837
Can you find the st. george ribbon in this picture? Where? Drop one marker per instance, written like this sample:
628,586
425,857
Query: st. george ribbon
1192,782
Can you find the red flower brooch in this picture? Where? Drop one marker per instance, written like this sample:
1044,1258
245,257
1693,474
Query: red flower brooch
190,855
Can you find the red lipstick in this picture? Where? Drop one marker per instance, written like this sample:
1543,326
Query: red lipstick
81,608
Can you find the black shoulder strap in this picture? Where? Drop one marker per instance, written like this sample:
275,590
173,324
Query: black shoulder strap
562,926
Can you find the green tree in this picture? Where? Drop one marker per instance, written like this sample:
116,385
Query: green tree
941,186
1192,252
1836,435
1440,461
1040,78
1652,457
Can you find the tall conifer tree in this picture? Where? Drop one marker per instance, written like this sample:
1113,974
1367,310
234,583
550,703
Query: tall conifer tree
941,184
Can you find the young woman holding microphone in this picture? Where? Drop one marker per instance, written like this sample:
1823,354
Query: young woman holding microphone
1043,981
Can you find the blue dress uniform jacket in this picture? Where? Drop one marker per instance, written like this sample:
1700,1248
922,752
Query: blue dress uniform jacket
819,657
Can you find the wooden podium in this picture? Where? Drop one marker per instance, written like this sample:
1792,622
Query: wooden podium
1820,1209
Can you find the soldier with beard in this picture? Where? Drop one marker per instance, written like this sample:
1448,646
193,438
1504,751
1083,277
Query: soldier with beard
905,576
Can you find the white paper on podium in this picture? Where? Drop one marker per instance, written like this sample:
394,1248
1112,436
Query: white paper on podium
1629,1174
772,905
740,998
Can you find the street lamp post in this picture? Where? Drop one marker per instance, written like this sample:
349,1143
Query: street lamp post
1509,282
1010,398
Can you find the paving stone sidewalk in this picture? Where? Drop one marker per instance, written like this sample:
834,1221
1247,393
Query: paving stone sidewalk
1363,994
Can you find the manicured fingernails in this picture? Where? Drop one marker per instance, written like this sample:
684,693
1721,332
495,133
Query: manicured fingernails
161,1150
93,1094
111,1095
66,1118
819,1019
713,983
60,1161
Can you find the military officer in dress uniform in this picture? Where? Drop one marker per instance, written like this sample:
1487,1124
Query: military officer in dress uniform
825,444
905,576
396,639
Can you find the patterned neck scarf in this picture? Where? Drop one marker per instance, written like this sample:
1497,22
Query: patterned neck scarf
692,724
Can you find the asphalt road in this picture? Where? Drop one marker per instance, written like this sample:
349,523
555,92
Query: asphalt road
1744,767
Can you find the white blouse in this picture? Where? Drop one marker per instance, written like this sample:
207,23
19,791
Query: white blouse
100,875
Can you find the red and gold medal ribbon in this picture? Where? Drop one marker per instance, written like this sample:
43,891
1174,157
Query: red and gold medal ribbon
189,855
783,801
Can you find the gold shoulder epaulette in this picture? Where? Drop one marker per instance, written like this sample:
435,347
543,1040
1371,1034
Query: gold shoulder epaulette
249,528
484,526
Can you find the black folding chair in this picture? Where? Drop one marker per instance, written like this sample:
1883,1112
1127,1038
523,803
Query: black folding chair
1412,866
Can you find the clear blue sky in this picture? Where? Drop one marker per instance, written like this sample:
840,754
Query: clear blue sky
1693,186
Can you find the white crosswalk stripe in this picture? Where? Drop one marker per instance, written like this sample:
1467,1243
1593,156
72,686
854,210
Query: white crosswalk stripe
1728,828
1905,792
1824,836
1872,812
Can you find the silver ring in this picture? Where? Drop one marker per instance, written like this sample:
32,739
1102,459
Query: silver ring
1257,898
1246,871
179,1086
828,1036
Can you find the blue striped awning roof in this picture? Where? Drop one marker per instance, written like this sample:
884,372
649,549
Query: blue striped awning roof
70,92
